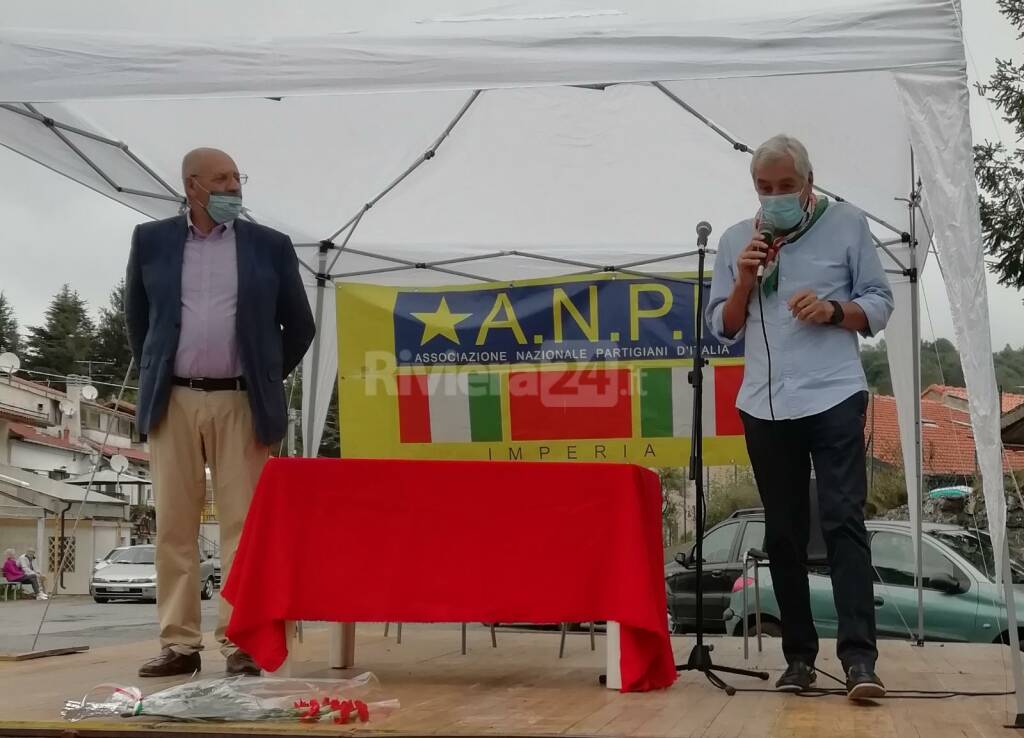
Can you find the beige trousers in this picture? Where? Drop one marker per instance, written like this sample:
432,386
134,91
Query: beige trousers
199,429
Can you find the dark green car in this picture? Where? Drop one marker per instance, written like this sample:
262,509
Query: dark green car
961,601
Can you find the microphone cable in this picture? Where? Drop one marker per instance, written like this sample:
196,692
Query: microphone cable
767,348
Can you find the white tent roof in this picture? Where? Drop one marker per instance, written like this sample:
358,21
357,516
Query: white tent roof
602,176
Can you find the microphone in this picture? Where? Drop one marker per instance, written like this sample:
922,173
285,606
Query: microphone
768,235
703,231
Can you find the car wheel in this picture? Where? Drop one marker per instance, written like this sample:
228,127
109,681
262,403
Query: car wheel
769,629
101,600
207,592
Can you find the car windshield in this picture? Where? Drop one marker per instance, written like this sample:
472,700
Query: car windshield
132,556
976,547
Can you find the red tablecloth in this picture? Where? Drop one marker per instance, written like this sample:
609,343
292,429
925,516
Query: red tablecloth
353,540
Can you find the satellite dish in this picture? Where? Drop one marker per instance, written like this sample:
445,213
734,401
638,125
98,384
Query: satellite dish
89,392
67,407
118,463
9,363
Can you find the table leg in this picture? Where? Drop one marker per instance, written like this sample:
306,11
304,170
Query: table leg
342,647
614,676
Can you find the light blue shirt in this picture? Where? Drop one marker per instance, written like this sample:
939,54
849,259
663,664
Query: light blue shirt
813,367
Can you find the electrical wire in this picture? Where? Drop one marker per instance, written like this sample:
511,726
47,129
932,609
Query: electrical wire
891,694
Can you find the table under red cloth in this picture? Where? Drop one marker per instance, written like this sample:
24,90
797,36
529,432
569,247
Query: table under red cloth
355,540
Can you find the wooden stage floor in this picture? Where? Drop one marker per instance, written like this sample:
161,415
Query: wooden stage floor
522,688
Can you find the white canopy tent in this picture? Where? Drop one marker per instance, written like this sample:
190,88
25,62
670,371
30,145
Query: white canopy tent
533,138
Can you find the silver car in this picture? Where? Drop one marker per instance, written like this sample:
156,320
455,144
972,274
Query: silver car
129,573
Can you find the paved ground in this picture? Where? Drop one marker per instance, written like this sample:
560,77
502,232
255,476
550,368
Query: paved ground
77,620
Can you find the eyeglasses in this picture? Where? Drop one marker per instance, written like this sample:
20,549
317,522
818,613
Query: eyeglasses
221,179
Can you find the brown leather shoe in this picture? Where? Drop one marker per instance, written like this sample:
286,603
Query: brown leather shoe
241,663
171,663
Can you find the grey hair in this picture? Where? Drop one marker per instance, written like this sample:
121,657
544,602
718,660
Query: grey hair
780,146
10,552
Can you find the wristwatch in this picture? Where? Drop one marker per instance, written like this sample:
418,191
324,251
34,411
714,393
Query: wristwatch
837,313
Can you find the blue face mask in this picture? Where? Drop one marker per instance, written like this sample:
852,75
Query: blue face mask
782,211
222,206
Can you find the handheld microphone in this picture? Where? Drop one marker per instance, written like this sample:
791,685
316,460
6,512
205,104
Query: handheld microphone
767,233
703,231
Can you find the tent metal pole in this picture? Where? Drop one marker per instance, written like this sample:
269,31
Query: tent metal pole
867,215
148,170
425,156
311,387
58,129
744,148
738,145
344,244
154,195
35,115
1011,627
915,331
655,260
883,247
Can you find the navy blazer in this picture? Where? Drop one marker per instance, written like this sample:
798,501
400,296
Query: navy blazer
275,325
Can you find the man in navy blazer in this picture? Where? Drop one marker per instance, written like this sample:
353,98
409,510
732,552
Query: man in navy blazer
217,317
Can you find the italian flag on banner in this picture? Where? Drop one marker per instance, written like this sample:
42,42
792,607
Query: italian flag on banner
453,407
666,402
464,407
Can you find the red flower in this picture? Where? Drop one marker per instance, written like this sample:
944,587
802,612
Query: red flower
364,711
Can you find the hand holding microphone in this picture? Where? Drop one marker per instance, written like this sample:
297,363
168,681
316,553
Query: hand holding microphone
750,263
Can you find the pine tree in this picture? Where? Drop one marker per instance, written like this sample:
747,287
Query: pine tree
9,338
1000,172
111,343
65,339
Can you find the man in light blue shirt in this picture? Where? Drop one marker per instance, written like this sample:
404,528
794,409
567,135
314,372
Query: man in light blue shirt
799,282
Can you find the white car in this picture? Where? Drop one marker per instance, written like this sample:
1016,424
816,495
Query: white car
129,573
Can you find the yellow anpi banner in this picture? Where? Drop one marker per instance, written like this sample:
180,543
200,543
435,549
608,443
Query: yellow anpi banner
573,368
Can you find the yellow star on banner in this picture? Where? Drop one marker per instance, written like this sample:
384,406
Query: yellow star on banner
441,322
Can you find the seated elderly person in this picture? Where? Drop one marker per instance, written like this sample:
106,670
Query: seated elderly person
27,562
14,573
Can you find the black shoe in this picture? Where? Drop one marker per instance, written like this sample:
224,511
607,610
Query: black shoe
798,677
171,663
241,663
862,683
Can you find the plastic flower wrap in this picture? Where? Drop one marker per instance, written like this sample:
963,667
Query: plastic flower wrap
241,699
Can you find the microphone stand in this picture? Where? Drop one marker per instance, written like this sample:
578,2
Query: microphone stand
700,656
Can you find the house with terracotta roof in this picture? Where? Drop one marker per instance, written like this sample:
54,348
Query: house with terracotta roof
48,435
947,448
957,397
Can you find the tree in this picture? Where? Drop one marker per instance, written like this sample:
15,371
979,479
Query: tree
65,339
673,483
1000,172
111,343
940,364
330,441
9,338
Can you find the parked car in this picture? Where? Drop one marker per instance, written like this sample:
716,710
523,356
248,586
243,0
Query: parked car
961,600
129,573
724,546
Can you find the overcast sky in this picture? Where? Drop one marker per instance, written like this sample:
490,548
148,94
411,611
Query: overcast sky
54,228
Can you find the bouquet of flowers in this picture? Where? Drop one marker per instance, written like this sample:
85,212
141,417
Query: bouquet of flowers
243,699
